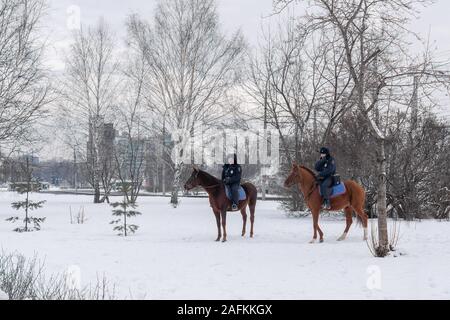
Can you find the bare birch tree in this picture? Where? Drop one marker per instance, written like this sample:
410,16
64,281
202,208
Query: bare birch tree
192,67
89,93
294,82
132,148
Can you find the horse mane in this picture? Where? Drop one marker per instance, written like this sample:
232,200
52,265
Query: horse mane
209,177
309,170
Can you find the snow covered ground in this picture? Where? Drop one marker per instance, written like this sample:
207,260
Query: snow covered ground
173,255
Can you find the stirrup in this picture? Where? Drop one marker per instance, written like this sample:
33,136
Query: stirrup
326,205
234,207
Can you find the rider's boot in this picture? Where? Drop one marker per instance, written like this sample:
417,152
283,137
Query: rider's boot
326,204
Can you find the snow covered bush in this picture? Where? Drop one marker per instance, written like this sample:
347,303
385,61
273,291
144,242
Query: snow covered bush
80,217
18,276
376,249
24,279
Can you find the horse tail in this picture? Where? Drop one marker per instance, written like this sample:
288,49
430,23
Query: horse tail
357,198
252,193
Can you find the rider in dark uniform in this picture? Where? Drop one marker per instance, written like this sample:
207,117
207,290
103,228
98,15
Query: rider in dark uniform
231,176
326,167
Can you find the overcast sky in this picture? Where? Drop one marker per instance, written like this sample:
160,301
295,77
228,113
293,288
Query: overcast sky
234,14
244,14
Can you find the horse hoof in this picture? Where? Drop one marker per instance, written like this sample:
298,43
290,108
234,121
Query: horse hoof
321,240
312,241
224,240
343,237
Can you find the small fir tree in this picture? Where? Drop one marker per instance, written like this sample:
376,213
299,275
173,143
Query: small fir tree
124,210
25,188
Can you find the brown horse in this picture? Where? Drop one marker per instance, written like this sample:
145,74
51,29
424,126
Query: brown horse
352,199
219,201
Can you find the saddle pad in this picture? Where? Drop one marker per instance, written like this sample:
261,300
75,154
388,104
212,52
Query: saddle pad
337,190
242,195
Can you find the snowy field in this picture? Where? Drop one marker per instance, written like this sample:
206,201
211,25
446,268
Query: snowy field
173,255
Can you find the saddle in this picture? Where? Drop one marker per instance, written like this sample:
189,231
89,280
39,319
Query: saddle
337,187
242,194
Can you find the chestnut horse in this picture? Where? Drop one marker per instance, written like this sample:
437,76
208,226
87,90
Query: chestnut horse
352,199
219,201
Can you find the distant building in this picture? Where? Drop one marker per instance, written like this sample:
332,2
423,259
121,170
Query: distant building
135,153
33,160
107,135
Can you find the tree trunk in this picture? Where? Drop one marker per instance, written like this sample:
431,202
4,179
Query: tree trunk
381,197
163,179
26,209
263,184
75,178
125,222
176,185
263,150
97,193
95,154
27,202
156,179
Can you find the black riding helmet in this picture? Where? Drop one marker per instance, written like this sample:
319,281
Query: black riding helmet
324,151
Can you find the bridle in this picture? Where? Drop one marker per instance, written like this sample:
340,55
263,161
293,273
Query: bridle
206,187
310,192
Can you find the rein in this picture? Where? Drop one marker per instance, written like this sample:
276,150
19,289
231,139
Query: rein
206,187
313,187
213,186
311,190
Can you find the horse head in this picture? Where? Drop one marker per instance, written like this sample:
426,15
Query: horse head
193,180
293,177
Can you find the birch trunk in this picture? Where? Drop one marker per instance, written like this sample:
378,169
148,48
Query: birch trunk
381,197
176,185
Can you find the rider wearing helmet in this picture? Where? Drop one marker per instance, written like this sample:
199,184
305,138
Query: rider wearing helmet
231,176
326,167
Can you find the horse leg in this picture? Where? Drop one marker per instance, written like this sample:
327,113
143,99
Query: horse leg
348,220
360,212
320,233
219,232
252,218
244,220
224,225
315,215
